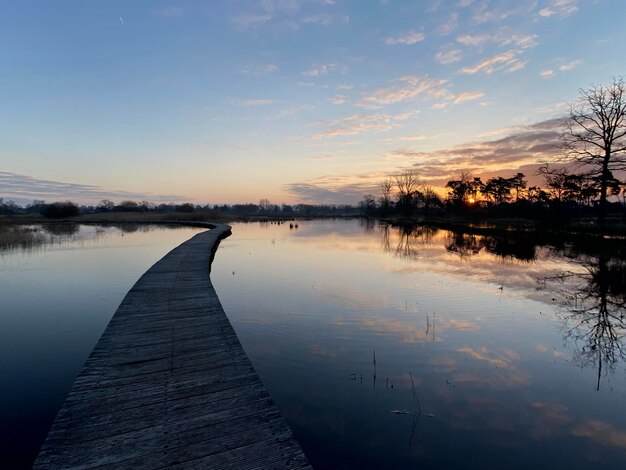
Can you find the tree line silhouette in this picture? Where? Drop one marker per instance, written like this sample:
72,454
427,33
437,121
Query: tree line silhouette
582,179
564,192
68,209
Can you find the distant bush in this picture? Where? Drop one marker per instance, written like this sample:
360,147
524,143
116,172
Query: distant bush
59,210
127,206
187,207
7,208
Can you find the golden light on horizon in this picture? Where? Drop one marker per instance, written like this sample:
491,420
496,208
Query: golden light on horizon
471,200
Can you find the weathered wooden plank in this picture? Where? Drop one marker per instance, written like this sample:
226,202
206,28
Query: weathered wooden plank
168,384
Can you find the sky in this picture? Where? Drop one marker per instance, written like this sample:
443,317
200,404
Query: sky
312,101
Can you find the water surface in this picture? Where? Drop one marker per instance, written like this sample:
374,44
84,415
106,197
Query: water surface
60,285
383,347
392,348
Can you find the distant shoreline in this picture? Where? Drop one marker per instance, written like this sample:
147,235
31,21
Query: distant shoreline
484,225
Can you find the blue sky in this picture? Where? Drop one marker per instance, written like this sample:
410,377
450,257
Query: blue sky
293,100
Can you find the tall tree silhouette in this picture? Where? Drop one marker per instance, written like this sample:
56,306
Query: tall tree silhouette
595,134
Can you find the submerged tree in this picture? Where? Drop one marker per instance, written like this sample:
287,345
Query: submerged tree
595,134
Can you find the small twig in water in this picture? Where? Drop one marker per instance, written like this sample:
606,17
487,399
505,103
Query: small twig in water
415,399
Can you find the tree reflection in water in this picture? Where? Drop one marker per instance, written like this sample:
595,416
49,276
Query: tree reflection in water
62,230
31,237
464,244
517,247
405,242
594,303
592,298
20,237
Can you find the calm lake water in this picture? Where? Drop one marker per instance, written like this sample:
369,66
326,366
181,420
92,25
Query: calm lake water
383,347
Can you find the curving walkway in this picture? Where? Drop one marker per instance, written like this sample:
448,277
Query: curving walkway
168,384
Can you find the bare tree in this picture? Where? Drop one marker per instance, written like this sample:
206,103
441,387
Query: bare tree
265,205
385,199
407,184
556,177
368,205
595,134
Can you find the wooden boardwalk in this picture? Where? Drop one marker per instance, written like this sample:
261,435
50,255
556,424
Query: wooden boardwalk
168,384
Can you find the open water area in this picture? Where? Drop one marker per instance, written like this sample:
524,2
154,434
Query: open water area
384,347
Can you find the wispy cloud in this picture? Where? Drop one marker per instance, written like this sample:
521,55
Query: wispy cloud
407,89
340,99
457,98
558,107
506,62
255,102
359,123
520,148
570,65
449,25
171,12
260,70
467,96
272,6
403,89
502,37
486,13
412,37
434,6
245,22
322,19
448,56
22,187
524,145
549,73
289,112
559,7
410,138
285,15
317,70
515,65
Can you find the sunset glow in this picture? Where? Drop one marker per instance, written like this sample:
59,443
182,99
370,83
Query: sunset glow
291,100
